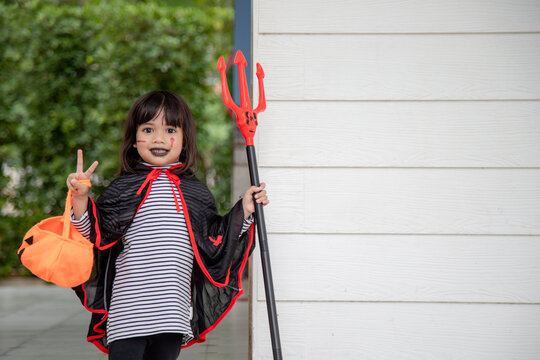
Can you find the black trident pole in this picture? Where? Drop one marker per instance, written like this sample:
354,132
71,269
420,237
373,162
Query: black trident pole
246,119
265,257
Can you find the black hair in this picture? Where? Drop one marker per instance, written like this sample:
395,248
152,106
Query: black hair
176,113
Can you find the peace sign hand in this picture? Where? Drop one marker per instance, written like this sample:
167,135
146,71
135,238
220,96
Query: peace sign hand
79,190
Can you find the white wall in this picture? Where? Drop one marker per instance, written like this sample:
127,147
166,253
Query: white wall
401,147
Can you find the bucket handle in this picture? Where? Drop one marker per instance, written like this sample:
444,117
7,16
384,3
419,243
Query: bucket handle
67,209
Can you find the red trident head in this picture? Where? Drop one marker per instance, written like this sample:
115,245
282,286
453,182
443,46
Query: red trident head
246,117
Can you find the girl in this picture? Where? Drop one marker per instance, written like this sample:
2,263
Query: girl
167,267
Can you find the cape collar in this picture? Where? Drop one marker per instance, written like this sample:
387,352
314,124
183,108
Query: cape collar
155,173
162,167
145,167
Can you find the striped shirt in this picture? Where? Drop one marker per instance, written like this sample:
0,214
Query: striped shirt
152,286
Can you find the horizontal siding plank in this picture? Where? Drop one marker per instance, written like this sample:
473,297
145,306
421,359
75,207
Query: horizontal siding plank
411,331
398,16
400,134
403,201
417,268
401,67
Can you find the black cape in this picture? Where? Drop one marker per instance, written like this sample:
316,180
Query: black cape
220,253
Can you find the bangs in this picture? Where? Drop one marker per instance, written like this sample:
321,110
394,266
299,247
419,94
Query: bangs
157,103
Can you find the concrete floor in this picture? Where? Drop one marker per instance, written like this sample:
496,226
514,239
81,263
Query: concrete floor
46,322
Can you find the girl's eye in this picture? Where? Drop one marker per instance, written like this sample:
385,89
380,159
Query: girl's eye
171,131
147,130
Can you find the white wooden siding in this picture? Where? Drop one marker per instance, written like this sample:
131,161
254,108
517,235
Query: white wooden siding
400,134
397,16
404,268
405,331
404,201
401,67
401,148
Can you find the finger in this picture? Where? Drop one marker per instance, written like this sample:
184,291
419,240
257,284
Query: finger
79,161
260,188
91,169
69,180
70,187
257,189
75,185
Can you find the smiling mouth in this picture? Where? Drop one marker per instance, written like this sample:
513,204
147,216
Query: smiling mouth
159,152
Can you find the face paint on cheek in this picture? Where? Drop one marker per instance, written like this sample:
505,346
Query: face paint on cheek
172,142
141,140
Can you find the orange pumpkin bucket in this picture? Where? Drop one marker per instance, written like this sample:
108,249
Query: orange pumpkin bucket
55,251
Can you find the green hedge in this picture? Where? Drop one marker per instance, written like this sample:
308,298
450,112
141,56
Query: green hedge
68,75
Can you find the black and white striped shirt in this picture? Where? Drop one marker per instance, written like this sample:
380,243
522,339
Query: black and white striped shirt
152,286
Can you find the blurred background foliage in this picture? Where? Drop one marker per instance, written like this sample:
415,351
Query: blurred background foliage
70,70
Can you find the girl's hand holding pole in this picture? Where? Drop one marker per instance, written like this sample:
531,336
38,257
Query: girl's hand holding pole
79,192
260,197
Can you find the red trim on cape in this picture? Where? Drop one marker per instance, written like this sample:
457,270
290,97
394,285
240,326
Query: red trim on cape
144,199
101,333
202,336
98,232
195,248
100,347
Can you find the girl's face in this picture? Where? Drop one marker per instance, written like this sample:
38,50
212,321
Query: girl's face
158,143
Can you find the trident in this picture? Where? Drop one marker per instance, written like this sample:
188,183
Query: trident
246,119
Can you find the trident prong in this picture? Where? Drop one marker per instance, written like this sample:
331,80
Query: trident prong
240,61
227,99
262,99
246,117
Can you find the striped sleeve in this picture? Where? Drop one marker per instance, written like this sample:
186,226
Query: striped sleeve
82,225
246,223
